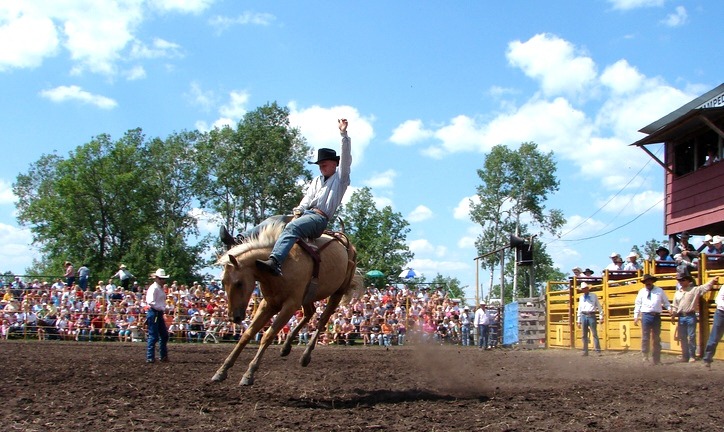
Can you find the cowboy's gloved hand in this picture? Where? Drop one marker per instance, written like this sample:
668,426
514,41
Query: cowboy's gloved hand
297,213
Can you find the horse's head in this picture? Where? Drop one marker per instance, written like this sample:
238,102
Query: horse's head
238,282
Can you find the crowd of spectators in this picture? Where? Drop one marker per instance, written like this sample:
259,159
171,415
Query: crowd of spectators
105,312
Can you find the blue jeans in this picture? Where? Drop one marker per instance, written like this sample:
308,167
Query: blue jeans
717,330
588,323
157,332
309,225
687,336
483,333
651,329
83,282
465,335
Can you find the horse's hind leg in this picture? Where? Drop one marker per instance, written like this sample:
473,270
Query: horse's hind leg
280,321
332,304
308,312
261,317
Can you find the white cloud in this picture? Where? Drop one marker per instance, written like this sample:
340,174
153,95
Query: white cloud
383,180
468,240
222,23
207,222
236,107
382,202
429,268
420,214
410,132
16,255
204,99
554,63
6,193
65,93
135,73
96,35
634,4
421,246
183,6
497,91
677,18
159,49
26,40
462,211
319,127
634,204
622,78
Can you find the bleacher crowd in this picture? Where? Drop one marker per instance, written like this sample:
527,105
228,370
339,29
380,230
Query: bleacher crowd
197,313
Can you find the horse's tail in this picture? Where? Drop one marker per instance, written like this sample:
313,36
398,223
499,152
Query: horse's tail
356,287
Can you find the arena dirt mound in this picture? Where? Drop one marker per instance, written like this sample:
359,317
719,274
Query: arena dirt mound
107,386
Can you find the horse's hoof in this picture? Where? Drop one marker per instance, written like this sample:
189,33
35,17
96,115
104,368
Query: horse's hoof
218,378
246,381
305,361
286,349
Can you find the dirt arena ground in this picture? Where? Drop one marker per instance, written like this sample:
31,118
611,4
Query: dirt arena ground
108,386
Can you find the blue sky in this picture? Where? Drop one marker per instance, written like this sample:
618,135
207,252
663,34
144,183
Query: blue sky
428,88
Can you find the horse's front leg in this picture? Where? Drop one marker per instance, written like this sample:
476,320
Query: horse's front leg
308,312
280,321
332,304
261,317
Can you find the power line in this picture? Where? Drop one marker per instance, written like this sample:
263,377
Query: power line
604,206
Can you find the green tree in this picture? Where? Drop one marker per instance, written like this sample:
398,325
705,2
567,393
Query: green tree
379,235
112,202
648,250
514,183
255,171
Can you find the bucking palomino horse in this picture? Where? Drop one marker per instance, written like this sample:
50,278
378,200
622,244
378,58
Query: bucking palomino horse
284,295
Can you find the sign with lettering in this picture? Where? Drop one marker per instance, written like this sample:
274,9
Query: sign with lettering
715,102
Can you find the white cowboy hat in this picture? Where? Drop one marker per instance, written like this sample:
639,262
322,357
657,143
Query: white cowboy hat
633,255
160,273
716,239
584,285
708,238
122,266
614,255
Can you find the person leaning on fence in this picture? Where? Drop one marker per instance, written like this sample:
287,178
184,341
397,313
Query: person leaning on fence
632,262
717,329
683,312
650,303
482,323
616,262
588,305
157,331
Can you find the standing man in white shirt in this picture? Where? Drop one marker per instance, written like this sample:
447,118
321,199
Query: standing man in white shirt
588,305
717,329
650,302
465,326
157,331
482,323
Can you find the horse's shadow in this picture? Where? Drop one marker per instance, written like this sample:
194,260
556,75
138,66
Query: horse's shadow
378,397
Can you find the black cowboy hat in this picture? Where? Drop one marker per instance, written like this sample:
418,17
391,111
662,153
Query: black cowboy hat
588,270
649,277
661,248
690,278
325,154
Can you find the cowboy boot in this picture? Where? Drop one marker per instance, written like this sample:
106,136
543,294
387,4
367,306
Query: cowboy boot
270,266
225,237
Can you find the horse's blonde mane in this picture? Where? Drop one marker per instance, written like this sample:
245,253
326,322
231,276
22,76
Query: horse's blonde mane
267,236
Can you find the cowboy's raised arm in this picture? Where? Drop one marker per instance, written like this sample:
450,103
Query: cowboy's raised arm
345,157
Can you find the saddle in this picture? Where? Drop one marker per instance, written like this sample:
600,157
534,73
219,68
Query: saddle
314,249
